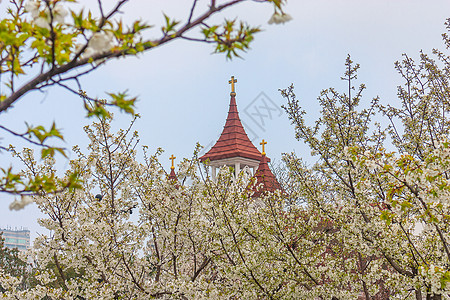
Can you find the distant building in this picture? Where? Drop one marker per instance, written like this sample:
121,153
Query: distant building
16,238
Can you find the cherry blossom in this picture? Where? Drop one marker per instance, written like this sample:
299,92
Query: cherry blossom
100,42
279,18
33,8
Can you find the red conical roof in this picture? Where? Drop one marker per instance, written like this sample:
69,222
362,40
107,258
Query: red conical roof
172,175
265,177
233,141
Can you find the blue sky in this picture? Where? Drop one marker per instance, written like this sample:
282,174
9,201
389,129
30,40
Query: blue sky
183,89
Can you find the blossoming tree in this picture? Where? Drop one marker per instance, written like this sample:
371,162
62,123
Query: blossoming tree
369,219
386,200
144,236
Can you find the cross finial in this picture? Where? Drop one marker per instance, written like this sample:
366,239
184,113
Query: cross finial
232,82
172,158
263,143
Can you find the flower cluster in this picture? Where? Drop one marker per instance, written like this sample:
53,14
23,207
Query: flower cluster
20,204
43,15
100,42
279,18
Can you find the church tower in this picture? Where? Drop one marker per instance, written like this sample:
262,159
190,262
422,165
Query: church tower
264,176
233,148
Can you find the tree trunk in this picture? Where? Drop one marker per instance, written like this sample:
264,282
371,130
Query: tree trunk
418,295
433,297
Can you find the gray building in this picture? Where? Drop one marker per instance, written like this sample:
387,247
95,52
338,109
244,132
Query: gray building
16,238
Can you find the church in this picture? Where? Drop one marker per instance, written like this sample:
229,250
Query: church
234,149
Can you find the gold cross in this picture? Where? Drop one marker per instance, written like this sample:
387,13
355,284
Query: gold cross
172,158
232,82
263,143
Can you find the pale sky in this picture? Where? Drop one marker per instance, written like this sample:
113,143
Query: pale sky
183,89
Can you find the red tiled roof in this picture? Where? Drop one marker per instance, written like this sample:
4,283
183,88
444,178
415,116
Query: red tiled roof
172,175
233,141
265,177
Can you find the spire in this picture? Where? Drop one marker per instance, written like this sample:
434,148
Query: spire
233,142
264,176
172,175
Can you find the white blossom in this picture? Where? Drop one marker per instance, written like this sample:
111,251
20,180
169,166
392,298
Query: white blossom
371,165
278,18
42,22
418,229
20,204
101,42
33,8
59,13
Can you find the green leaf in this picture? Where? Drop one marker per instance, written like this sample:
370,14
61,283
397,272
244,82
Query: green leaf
124,103
386,216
